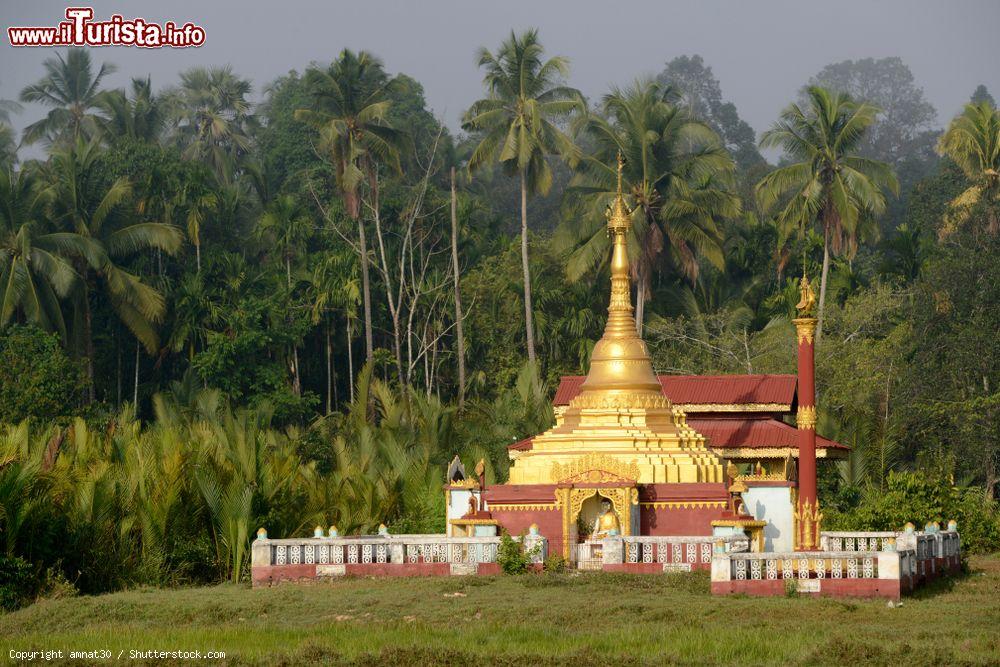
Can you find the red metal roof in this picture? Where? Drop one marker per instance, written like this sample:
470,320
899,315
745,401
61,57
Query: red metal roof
569,387
742,431
750,431
706,389
522,444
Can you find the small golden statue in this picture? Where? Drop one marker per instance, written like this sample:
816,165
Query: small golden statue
607,524
807,302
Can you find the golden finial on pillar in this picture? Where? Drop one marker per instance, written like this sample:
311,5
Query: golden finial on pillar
807,298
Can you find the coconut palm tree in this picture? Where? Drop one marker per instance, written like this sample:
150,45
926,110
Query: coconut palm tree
8,145
34,276
96,227
139,116
73,91
677,174
351,100
517,127
972,140
212,118
333,286
194,311
286,226
830,185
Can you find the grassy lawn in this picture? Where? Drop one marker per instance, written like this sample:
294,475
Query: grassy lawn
590,619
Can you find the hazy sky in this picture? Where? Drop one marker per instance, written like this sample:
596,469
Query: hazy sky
761,51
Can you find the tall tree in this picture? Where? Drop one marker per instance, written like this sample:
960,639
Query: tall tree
139,116
456,279
96,225
73,91
830,185
333,286
212,117
676,173
518,124
286,226
904,114
972,140
8,144
981,94
701,93
350,105
34,276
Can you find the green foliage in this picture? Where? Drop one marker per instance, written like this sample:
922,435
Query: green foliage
37,377
886,83
677,176
554,564
512,557
972,141
18,582
919,497
702,95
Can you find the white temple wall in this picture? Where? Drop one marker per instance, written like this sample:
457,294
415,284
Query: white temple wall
774,505
458,505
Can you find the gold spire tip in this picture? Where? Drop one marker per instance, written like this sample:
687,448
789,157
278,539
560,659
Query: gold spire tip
618,213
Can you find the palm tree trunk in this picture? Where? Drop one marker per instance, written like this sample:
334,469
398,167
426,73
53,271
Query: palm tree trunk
296,380
529,323
329,370
460,336
135,386
333,368
118,373
822,284
366,291
350,357
88,336
197,257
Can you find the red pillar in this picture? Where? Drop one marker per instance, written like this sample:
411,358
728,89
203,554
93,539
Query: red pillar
807,512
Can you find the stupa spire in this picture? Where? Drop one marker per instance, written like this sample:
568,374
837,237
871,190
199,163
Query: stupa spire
620,363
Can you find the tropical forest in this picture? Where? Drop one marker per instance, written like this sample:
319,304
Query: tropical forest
229,304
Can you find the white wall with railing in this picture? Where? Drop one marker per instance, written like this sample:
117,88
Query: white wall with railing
672,552
389,549
905,556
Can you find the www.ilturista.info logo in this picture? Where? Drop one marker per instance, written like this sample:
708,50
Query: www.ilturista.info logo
80,30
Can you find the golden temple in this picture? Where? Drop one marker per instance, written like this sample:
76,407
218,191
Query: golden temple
621,413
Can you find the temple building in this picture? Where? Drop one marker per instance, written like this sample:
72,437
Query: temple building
633,453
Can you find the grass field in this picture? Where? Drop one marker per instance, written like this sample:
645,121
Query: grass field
590,619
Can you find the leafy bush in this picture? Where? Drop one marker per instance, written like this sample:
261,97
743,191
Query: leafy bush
18,582
918,497
37,378
512,557
54,585
554,563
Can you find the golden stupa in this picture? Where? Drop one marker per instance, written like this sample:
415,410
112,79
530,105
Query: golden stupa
621,412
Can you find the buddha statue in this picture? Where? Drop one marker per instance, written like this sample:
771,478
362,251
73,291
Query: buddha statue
606,525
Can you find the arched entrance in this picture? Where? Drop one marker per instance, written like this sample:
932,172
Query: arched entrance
586,481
